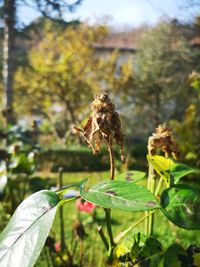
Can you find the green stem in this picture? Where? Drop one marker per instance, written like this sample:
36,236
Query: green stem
110,234
151,216
62,231
150,186
112,161
111,244
159,186
103,237
151,222
146,223
121,235
81,253
109,226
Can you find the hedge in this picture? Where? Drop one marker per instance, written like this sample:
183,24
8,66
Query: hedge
76,158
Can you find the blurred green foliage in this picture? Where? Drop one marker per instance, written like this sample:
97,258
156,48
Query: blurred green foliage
63,73
58,69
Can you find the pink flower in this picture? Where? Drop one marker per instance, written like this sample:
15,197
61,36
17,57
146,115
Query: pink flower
85,206
57,246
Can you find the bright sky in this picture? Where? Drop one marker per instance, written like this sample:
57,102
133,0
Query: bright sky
122,12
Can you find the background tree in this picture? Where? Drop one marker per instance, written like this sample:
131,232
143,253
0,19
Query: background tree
63,74
164,62
52,9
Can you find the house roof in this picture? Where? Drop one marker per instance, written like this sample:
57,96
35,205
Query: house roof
124,42
195,41
101,47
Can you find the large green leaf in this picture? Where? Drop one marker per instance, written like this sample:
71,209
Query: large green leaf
180,204
162,166
131,176
179,170
23,238
175,256
120,195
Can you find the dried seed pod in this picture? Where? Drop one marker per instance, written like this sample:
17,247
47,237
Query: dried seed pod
163,139
103,125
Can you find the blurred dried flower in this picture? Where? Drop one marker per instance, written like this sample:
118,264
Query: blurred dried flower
79,229
103,125
163,139
193,76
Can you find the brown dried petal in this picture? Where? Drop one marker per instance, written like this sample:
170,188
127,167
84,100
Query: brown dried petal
87,129
104,124
163,140
92,135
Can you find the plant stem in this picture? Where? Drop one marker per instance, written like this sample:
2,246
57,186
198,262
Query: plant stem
62,231
150,186
146,230
146,223
81,253
62,226
159,186
109,227
103,237
51,257
110,234
108,211
151,217
112,162
151,222
121,235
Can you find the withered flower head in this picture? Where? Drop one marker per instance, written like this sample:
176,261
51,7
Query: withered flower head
193,76
103,125
79,230
163,139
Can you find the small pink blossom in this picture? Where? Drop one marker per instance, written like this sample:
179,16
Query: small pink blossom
57,246
85,206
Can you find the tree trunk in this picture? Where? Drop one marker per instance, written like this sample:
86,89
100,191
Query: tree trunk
8,57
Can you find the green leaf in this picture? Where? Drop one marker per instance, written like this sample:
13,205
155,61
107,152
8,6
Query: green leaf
175,256
162,166
180,204
179,170
153,260
193,253
131,176
139,249
169,170
23,238
120,195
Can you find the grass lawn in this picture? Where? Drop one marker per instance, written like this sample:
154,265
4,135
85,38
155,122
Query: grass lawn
94,252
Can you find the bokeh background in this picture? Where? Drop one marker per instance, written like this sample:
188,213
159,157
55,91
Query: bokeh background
55,57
